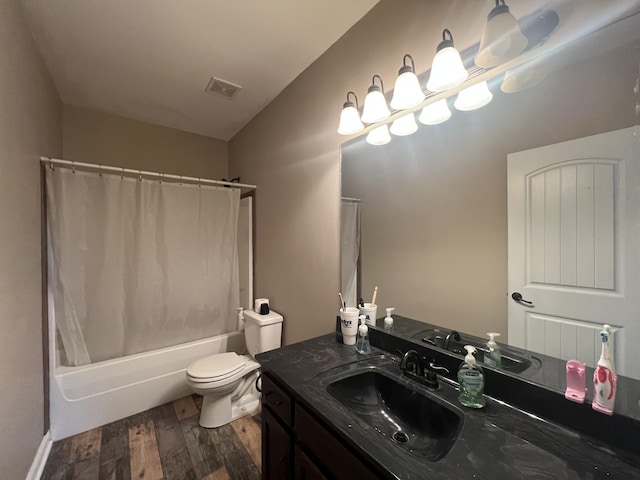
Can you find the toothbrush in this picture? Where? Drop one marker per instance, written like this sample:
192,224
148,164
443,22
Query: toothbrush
375,293
342,302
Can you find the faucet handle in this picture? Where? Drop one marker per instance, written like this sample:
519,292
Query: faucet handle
432,367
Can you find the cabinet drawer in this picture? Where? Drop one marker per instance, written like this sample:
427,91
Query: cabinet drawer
276,400
326,450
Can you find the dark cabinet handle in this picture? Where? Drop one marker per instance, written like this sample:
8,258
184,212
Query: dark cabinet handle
518,298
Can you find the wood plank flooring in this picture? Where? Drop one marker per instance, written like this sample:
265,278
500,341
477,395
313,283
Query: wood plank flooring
164,443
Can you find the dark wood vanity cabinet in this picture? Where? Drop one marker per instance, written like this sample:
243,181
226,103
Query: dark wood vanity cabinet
296,445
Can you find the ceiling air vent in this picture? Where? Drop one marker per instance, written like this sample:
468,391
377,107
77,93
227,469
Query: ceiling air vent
222,88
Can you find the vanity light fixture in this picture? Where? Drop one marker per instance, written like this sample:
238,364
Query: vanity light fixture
407,92
502,39
375,105
447,70
379,135
435,113
350,117
473,97
404,125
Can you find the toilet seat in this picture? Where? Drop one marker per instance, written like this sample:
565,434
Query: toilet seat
218,368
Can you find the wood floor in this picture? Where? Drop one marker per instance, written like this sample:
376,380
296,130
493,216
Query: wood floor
165,442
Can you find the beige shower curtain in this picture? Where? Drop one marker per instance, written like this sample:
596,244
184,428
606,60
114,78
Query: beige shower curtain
138,264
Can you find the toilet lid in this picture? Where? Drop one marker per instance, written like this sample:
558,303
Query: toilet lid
219,365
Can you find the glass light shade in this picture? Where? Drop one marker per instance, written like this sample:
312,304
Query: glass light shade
407,93
350,121
379,136
375,107
502,39
435,113
473,97
523,78
404,125
447,70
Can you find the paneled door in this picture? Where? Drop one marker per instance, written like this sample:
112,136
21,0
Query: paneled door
574,248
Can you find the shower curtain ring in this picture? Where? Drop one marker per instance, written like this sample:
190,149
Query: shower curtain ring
122,173
140,175
199,182
100,170
73,166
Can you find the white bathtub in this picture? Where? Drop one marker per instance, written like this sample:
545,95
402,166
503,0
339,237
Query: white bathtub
86,397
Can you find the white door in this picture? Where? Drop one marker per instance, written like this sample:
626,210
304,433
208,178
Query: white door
574,242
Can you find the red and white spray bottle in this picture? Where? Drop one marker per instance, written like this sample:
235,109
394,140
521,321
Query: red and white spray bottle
604,377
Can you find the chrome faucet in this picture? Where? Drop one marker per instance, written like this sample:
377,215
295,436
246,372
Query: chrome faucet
447,340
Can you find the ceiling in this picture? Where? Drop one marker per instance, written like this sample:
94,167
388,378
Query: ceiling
151,60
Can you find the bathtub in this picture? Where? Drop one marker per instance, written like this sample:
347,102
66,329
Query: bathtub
82,398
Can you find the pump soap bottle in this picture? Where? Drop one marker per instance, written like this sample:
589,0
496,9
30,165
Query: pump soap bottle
471,380
492,355
363,345
605,379
388,320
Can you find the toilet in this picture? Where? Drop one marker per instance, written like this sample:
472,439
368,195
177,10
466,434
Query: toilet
228,381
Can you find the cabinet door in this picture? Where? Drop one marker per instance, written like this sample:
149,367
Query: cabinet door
276,449
306,469
326,450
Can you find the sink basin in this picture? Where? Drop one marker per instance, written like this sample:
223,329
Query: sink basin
423,425
512,361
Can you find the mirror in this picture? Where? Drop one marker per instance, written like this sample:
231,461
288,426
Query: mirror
425,217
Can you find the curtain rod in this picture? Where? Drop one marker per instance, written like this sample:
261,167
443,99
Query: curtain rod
161,176
353,200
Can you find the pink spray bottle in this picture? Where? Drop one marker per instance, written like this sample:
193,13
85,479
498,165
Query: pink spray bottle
604,377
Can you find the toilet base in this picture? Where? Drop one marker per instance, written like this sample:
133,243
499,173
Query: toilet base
218,411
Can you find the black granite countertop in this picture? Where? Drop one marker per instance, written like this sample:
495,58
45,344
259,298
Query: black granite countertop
496,442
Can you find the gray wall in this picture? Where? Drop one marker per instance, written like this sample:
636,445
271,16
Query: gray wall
97,137
30,125
292,152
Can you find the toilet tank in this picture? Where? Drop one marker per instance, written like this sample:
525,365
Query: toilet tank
262,332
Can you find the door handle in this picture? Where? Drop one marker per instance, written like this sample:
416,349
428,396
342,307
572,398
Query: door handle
518,298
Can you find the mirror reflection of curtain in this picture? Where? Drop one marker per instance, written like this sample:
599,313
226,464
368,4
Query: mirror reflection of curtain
139,264
349,249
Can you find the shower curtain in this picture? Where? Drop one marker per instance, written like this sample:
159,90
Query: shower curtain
139,264
349,249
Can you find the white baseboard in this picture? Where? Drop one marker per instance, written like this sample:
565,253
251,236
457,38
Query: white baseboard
40,460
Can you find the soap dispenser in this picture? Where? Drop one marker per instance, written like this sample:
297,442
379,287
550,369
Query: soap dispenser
388,320
471,380
492,355
363,345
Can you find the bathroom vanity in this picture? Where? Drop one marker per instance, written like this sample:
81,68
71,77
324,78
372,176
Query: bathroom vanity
329,412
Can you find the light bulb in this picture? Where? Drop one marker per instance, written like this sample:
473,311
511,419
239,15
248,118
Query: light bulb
475,96
379,135
407,92
447,70
435,113
350,117
404,125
